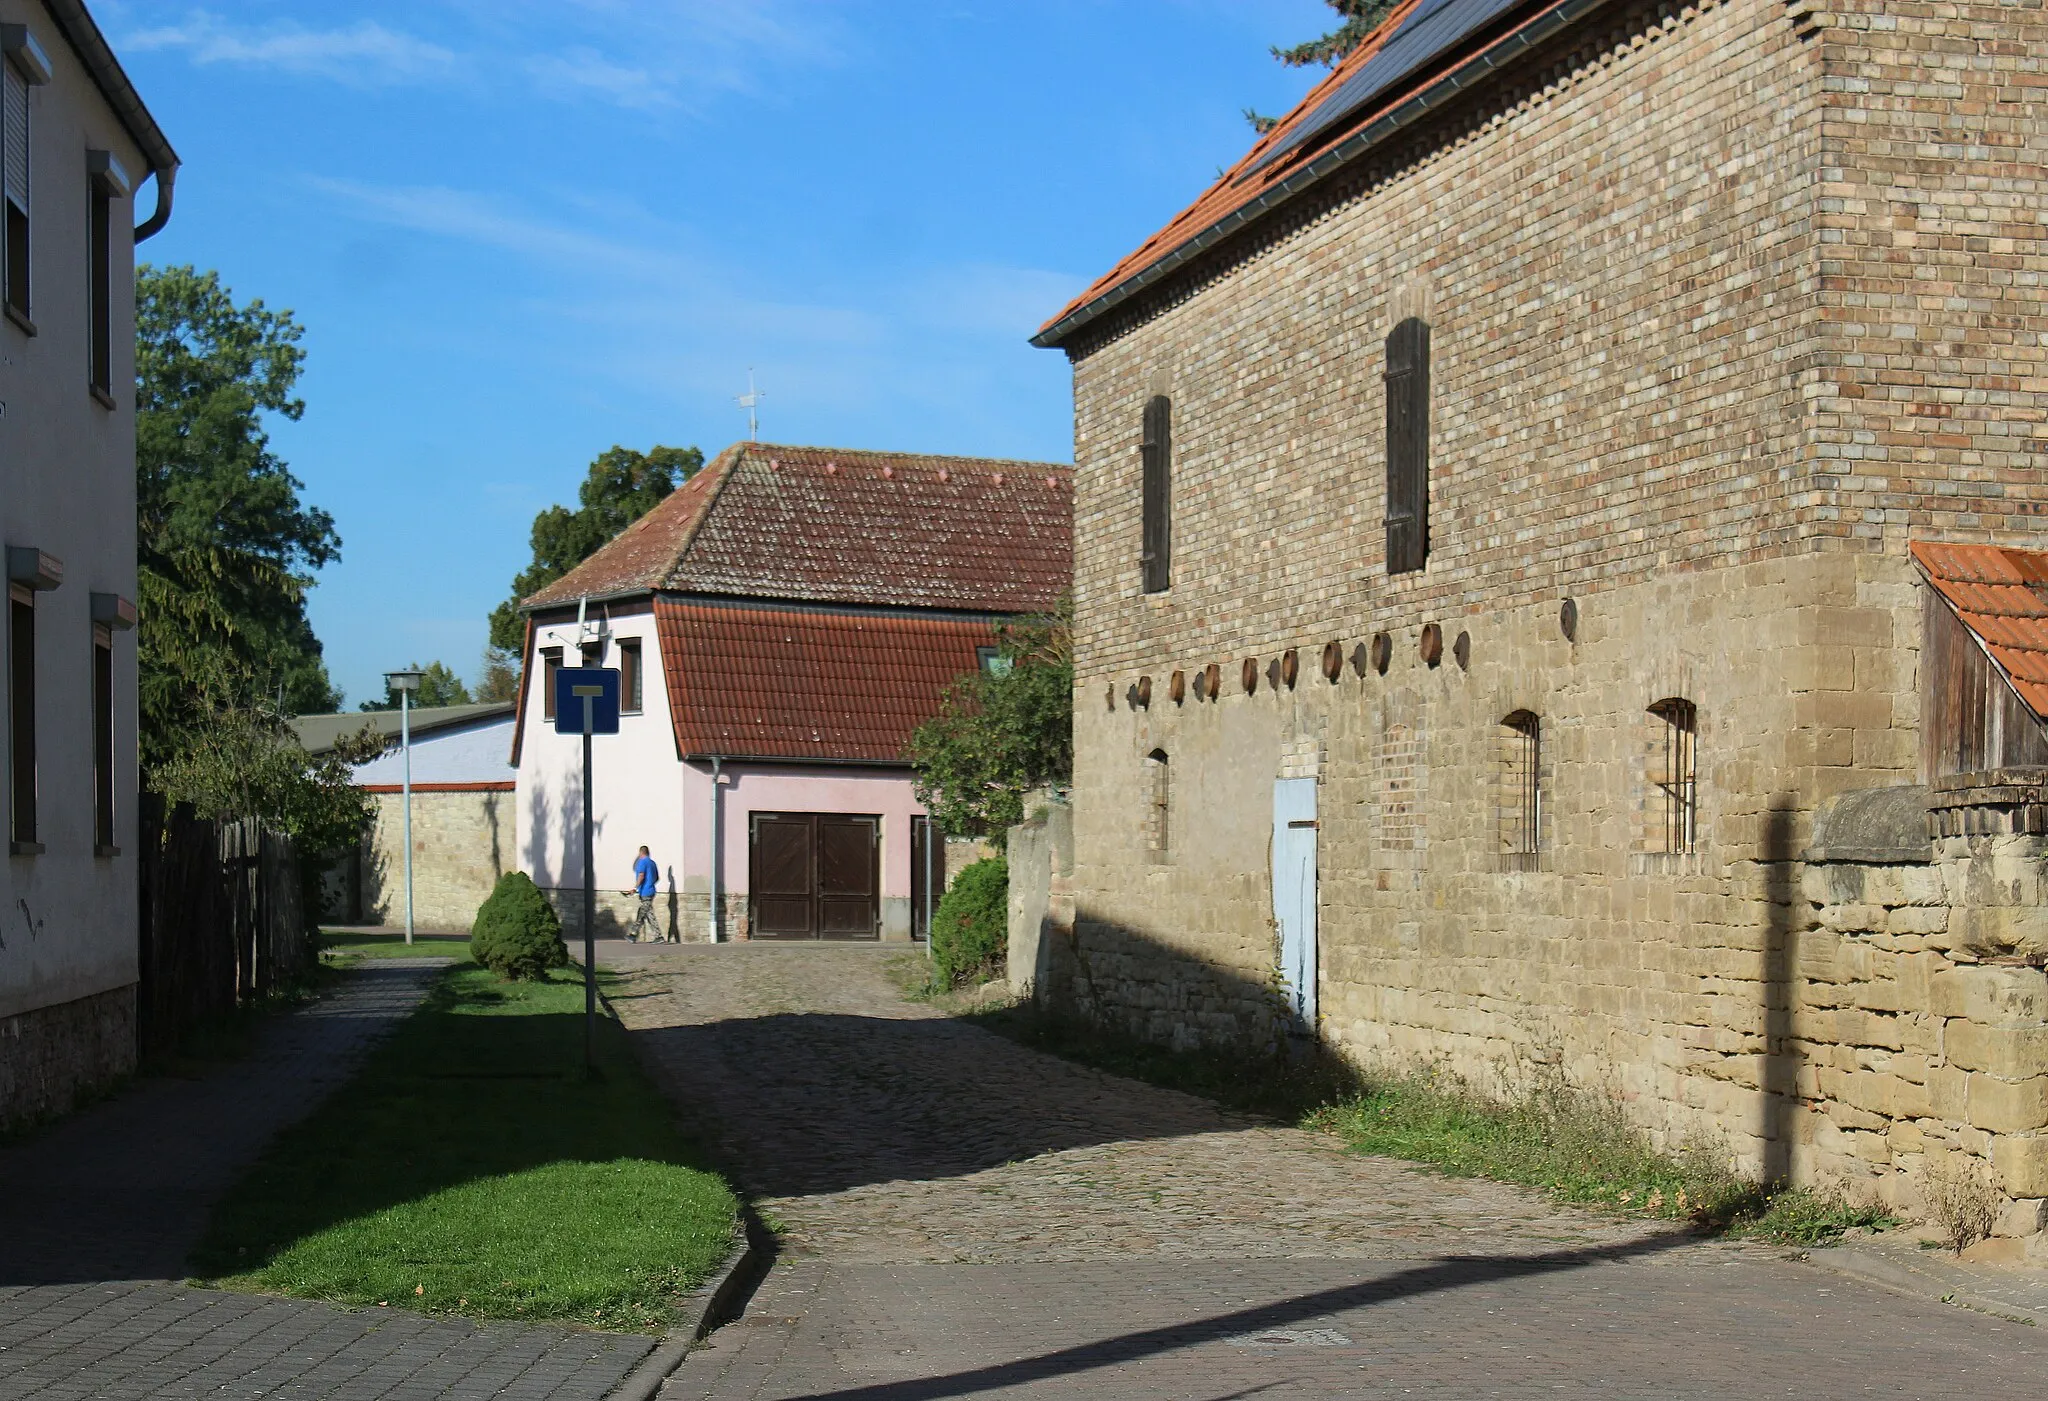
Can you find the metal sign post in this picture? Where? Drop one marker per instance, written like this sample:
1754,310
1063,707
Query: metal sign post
586,704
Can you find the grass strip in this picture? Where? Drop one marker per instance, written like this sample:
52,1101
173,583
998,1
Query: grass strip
344,950
471,1168
1574,1145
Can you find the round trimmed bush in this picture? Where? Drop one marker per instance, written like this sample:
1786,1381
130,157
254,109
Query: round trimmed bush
517,933
971,928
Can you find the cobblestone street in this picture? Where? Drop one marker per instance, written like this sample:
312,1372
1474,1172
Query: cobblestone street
98,1213
962,1216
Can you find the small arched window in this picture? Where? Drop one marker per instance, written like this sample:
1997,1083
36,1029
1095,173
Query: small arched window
1156,454
1674,766
1521,790
1157,831
1408,446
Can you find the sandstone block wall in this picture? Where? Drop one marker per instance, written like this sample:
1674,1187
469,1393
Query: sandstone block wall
1916,1023
462,843
52,1057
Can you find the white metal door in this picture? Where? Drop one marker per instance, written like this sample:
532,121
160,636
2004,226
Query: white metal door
1294,892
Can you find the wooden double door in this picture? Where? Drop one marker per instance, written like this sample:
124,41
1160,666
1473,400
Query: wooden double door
814,875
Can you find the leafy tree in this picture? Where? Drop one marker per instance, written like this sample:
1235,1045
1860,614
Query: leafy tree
1360,17
1001,732
438,686
621,486
225,546
241,760
500,680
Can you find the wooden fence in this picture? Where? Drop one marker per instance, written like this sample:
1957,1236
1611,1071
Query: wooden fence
222,920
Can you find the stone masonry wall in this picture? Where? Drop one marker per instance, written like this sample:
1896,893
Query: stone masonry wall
1726,301
462,843
1916,1026
1637,970
53,1056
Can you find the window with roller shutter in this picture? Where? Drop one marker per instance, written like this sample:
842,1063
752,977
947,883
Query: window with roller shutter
14,166
1408,446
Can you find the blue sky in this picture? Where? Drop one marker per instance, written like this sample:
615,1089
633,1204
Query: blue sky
519,232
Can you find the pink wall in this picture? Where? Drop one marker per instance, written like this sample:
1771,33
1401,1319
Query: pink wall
751,788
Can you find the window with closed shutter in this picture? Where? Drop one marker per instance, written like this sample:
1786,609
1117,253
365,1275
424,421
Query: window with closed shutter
1156,453
14,167
100,288
1408,446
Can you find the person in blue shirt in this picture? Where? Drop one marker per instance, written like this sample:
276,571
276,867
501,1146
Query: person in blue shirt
646,878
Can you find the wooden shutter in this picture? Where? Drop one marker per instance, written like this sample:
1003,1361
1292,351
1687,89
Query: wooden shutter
14,118
1157,456
1408,446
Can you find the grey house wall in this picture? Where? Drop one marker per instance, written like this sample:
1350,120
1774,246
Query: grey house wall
67,488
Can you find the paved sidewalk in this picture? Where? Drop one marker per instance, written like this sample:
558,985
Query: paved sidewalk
98,1214
963,1216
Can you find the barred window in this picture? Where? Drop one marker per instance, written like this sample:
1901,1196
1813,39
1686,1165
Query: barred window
1521,790
1673,765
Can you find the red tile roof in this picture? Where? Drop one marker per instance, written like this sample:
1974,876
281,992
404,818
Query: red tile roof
1248,190
840,526
807,683
2001,594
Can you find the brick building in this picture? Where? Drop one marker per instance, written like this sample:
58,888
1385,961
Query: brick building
1493,508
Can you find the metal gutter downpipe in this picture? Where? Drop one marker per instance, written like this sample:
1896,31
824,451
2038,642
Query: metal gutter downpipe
154,224
717,853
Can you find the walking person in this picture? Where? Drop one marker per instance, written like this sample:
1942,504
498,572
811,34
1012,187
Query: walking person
646,878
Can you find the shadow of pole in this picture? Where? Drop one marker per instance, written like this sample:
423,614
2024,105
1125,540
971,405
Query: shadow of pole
1430,1278
1782,1055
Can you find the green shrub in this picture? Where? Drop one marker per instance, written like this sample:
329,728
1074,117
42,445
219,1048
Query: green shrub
517,934
971,930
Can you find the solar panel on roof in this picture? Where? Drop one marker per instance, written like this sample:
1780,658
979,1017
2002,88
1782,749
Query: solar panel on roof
1433,28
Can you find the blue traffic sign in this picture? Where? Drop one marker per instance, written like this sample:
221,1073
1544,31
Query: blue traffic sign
596,687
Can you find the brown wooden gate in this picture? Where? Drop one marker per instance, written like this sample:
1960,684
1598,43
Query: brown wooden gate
814,875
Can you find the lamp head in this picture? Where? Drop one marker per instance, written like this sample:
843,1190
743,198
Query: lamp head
403,680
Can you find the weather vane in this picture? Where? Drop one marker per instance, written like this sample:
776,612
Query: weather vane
750,401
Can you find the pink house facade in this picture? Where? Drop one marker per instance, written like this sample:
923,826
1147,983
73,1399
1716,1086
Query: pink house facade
782,622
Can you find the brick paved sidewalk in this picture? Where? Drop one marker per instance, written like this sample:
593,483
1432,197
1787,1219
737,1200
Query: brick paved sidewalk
98,1214
964,1216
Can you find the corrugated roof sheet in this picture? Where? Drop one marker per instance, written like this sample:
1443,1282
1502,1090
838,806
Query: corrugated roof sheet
320,733
2001,595
847,526
1420,42
807,683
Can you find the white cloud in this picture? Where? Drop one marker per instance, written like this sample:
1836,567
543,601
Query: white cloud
639,55
584,70
364,53
462,214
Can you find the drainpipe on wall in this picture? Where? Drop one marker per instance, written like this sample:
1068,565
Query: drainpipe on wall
717,857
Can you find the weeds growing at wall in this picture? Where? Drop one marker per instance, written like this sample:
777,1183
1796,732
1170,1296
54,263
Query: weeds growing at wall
1575,1145
1962,1203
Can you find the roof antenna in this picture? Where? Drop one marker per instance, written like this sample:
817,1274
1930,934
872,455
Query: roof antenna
750,401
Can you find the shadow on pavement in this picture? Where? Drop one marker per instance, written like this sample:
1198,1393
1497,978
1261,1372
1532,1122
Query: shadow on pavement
812,1103
121,1190
1437,1275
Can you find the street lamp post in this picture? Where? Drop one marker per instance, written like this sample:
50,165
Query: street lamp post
405,683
